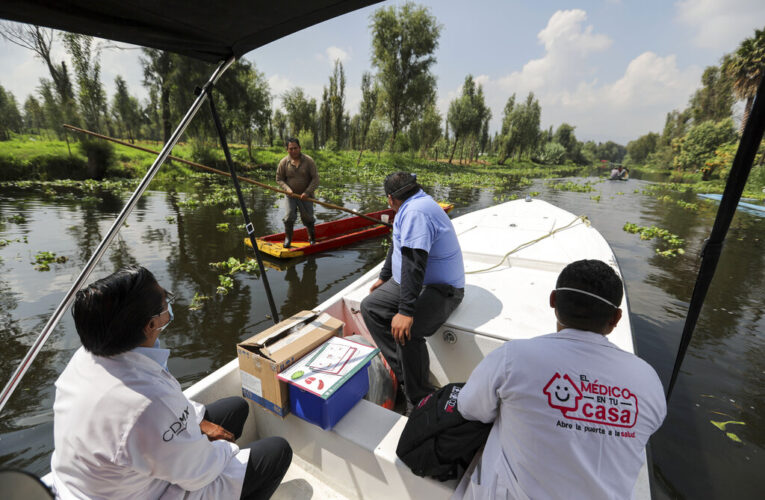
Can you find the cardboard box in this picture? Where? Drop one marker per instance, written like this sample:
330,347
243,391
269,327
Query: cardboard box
263,356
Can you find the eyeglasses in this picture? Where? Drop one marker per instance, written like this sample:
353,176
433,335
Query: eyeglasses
169,298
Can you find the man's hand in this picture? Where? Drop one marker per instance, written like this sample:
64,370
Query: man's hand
215,432
401,328
303,196
376,285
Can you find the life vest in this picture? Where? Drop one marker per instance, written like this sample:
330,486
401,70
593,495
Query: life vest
437,440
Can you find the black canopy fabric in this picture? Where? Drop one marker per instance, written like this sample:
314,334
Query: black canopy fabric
209,30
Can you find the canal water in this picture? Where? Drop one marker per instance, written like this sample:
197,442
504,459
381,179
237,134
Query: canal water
711,444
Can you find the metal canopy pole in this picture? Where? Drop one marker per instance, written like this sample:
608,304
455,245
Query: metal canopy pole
247,224
739,172
101,249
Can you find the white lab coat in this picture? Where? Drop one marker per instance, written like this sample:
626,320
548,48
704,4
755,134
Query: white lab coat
123,429
572,414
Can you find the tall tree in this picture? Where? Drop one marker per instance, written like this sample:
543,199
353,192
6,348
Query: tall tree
251,99
158,66
301,112
714,100
40,41
367,109
34,117
746,68
507,141
337,102
87,68
639,149
10,117
467,113
526,124
126,110
280,124
564,135
404,41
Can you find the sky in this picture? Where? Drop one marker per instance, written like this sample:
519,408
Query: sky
611,68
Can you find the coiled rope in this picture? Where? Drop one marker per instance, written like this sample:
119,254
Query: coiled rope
582,218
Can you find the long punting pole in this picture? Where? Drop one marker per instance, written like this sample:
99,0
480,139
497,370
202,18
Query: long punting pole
247,224
739,172
101,249
221,172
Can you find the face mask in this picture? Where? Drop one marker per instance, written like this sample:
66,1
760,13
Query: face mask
170,312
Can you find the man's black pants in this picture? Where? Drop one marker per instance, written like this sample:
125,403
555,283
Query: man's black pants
269,458
409,362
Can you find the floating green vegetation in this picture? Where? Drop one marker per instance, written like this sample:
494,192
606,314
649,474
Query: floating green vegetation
170,219
595,198
686,205
44,259
17,219
674,242
234,265
51,188
196,302
222,227
233,211
571,186
190,203
226,284
5,243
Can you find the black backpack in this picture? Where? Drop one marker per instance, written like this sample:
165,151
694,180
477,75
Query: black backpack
437,440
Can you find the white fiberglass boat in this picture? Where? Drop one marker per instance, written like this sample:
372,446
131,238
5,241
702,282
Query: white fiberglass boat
357,459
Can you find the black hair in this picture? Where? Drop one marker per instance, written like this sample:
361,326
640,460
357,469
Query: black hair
401,185
293,139
111,313
582,311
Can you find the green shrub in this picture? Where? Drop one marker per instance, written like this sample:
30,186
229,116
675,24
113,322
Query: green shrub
100,155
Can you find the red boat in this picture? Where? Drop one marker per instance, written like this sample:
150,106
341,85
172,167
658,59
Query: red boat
329,235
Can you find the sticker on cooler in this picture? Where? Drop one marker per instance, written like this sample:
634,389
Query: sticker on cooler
591,401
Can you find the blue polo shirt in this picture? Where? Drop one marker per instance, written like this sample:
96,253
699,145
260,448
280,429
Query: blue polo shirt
421,223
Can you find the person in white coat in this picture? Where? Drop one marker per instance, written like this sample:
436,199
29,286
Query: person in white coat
572,412
123,428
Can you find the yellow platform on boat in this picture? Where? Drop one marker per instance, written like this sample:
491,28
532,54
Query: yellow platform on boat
276,248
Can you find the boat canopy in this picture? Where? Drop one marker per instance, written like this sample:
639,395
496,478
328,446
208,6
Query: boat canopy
202,29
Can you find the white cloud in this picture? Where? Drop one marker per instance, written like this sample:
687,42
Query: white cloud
278,85
334,53
721,24
565,81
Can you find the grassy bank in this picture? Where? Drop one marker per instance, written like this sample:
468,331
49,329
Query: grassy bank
33,158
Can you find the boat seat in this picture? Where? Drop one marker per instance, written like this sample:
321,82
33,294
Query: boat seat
357,457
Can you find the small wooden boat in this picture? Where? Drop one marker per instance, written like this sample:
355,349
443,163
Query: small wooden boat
329,235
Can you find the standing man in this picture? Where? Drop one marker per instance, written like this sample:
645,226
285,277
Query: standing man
297,174
421,283
572,412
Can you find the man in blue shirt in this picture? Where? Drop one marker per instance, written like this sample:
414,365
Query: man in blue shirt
428,281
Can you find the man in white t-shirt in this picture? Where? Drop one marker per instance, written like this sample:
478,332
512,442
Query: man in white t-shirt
572,412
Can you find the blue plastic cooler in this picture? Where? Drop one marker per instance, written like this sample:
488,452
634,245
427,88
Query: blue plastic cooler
327,412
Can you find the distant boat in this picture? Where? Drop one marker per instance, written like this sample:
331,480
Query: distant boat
750,208
329,235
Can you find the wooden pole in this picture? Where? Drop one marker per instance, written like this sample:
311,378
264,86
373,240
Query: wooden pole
221,172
